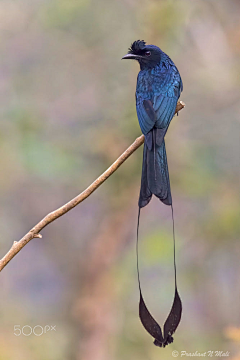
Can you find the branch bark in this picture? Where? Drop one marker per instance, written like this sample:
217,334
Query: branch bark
35,231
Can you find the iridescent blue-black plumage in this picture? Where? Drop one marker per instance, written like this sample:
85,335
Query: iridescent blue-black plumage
159,86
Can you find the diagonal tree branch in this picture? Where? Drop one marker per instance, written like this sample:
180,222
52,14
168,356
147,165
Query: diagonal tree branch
35,231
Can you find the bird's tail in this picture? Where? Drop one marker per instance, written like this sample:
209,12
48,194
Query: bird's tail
155,176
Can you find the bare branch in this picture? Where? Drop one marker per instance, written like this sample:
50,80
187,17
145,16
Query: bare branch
35,231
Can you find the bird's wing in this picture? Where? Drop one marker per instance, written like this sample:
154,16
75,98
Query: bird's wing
159,111
164,107
166,96
146,115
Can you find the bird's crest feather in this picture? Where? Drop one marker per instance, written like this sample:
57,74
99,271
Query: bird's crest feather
136,46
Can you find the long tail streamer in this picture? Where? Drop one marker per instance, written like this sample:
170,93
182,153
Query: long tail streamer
174,317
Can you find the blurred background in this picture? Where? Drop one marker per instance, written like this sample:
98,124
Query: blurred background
67,112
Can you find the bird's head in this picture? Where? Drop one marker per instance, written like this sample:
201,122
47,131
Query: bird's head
148,56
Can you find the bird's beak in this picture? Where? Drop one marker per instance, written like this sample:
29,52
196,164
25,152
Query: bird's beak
132,56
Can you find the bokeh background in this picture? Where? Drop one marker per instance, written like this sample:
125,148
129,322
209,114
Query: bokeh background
67,112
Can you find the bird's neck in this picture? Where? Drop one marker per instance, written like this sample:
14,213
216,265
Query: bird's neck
149,66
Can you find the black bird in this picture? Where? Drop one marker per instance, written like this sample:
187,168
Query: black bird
159,86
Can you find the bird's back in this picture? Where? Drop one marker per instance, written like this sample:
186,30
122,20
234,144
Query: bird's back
161,85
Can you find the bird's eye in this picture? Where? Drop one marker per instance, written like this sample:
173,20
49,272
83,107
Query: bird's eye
148,53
